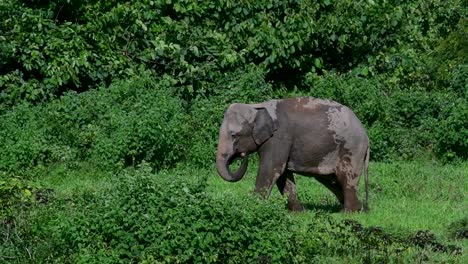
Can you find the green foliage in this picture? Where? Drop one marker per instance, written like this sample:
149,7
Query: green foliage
59,56
458,82
15,194
349,240
77,46
452,133
166,218
21,139
120,125
171,216
18,197
451,53
371,55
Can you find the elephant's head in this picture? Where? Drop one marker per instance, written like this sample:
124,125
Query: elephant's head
244,129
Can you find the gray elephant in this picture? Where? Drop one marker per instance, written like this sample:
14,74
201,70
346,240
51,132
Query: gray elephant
303,135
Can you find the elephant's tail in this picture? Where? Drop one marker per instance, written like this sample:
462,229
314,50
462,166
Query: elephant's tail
366,167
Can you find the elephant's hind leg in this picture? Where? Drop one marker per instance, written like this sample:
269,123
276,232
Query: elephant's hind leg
286,184
333,185
347,180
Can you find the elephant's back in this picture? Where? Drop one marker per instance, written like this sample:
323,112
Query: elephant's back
322,131
321,114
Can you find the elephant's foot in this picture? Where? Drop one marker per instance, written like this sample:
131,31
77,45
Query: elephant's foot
295,206
352,206
347,210
351,202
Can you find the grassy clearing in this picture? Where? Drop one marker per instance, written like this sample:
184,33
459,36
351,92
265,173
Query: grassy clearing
65,180
93,216
404,197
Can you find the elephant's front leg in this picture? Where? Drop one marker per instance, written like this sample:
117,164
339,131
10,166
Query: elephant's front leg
270,169
286,184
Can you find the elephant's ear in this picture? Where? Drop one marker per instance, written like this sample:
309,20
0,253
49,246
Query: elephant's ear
263,127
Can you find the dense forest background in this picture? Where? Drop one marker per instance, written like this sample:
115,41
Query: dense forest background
114,84
119,82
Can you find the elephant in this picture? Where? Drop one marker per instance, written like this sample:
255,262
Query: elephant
301,135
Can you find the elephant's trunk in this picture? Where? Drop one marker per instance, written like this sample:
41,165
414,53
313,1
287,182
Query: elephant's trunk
222,164
226,155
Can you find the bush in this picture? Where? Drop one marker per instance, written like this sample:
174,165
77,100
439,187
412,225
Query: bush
131,121
169,218
451,135
458,83
19,198
22,139
15,194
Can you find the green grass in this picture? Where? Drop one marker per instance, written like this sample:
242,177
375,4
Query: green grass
404,197
65,179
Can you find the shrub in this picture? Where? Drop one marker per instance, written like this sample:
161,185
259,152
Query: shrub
169,218
15,194
124,124
459,81
18,199
451,135
326,239
22,139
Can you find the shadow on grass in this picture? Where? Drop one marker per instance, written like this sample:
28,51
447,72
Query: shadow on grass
325,208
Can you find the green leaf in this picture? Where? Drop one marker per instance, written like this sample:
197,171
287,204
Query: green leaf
318,63
365,71
139,22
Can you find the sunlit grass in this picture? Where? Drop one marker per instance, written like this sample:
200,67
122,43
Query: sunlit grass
66,180
404,196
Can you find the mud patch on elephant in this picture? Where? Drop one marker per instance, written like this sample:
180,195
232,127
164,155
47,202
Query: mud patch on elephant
238,114
328,163
337,120
345,166
314,104
304,102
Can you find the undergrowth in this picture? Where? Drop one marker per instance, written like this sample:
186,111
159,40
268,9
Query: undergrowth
170,217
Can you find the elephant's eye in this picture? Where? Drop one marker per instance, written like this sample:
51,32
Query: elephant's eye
234,136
